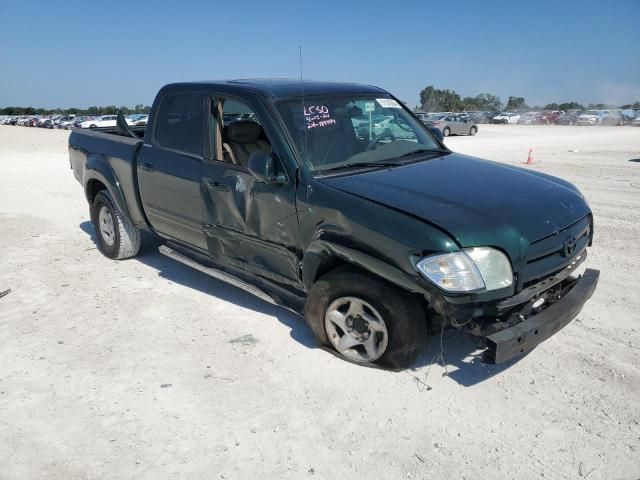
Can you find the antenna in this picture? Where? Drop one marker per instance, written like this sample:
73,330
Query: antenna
304,108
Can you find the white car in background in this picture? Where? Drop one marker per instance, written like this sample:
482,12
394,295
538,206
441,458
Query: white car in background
64,122
103,121
142,121
506,117
592,117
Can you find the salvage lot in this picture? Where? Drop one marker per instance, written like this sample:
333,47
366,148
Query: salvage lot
147,369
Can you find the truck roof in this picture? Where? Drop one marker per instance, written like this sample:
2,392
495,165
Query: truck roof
279,88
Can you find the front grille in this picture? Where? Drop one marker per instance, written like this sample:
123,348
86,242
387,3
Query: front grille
547,255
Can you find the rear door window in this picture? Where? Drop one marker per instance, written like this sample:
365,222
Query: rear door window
179,123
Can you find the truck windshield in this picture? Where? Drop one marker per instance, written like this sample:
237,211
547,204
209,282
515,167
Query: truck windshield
339,131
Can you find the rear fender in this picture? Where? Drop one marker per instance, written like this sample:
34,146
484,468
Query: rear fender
98,169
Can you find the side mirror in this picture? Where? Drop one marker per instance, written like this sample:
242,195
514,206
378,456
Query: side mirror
436,132
261,167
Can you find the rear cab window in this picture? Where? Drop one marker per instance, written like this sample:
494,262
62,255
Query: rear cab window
179,123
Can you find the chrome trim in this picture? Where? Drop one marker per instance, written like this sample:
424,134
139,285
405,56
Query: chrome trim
217,274
545,284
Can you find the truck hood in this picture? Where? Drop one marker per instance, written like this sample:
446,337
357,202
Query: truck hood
476,202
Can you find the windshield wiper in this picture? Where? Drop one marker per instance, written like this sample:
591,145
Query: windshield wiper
361,164
424,150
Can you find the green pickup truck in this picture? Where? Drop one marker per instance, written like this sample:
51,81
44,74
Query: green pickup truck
280,188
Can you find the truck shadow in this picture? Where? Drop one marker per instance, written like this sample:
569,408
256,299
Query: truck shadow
188,277
459,353
460,357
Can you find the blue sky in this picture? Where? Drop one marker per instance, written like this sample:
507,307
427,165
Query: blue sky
82,53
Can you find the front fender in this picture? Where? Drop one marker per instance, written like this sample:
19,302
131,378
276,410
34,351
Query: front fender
320,252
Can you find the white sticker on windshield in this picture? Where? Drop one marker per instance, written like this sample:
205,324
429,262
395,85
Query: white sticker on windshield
388,103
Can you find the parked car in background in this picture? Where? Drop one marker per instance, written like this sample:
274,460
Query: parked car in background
506,117
455,124
527,118
485,117
628,115
636,121
396,129
591,117
548,118
78,120
103,121
133,118
45,123
422,116
63,121
570,117
66,122
614,117
141,121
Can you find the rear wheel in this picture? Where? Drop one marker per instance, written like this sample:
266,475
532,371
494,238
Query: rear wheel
473,131
92,126
446,132
117,236
365,319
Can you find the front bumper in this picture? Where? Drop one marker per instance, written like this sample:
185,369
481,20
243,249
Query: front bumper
524,336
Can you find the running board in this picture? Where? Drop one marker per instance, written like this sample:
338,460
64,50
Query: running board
217,274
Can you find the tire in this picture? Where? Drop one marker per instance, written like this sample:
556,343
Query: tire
92,126
446,132
402,316
473,131
117,237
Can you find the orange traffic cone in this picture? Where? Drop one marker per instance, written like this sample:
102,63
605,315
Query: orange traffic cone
530,159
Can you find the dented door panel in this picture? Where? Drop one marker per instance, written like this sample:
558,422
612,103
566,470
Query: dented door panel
251,225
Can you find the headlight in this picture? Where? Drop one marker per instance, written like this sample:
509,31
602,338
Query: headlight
494,267
454,272
480,268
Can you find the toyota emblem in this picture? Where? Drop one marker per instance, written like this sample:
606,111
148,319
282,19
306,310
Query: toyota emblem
569,246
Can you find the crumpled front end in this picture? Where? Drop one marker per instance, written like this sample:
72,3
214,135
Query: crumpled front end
549,293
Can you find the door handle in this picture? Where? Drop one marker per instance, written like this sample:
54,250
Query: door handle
218,186
148,167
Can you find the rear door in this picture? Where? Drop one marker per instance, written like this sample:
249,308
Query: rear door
249,225
170,168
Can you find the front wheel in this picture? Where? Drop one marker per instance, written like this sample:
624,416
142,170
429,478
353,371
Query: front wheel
117,236
446,132
365,319
473,131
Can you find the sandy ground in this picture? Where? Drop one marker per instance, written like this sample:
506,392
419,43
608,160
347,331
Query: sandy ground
147,369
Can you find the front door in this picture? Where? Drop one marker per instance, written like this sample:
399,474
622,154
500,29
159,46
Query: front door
248,224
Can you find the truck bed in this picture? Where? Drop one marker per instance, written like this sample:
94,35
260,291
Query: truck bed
109,158
138,130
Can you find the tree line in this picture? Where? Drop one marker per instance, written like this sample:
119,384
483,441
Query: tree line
95,110
431,100
444,100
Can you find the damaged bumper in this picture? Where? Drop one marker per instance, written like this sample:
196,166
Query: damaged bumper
524,336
